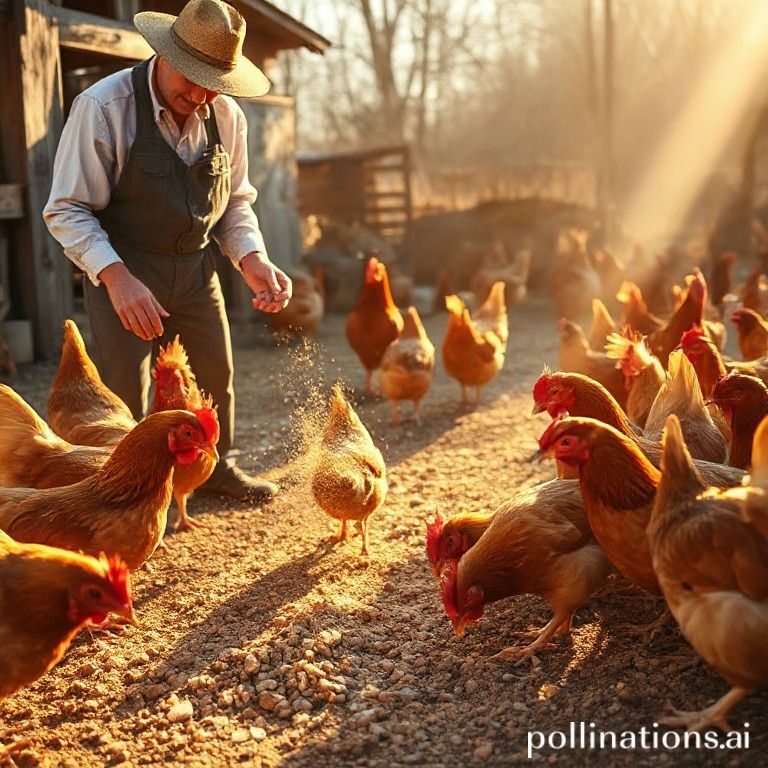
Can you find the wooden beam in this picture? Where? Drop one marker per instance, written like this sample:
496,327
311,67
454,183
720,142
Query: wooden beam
44,292
87,32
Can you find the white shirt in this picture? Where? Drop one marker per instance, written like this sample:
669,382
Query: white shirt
93,150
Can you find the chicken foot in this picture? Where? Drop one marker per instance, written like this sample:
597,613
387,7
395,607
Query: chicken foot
397,417
650,628
342,535
183,521
559,624
712,715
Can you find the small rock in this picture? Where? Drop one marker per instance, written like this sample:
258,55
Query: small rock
483,751
257,734
181,712
240,735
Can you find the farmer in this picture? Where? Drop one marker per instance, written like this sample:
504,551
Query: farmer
151,166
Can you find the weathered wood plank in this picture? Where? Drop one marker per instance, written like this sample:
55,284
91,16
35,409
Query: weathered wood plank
87,32
11,201
44,272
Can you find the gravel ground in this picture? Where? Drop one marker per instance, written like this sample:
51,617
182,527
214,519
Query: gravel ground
260,646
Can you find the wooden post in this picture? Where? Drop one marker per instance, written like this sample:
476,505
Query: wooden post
32,94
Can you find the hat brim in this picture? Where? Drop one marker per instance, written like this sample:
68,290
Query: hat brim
245,81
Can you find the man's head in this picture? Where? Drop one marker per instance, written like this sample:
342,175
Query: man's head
180,94
203,48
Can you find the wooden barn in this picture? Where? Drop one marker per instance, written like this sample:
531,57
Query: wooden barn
50,52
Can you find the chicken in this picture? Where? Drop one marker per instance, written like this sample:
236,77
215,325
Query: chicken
375,322
575,356
667,338
305,310
450,539
713,570
573,282
753,497
538,543
602,326
681,395
753,333
176,389
81,408
635,312
32,456
611,271
350,478
754,292
407,365
744,402
121,509
704,356
47,596
643,373
618,484
569,393
721,282
474,348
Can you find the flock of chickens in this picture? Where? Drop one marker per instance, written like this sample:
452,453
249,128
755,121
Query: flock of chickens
650,481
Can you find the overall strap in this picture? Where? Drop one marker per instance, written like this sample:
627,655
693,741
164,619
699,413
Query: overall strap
145,119
211,129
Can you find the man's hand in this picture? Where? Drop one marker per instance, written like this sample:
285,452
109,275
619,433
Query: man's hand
270,285
136,306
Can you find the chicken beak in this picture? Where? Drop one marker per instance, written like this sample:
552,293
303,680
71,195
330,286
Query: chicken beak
460,626
211,451
538,456
438,568
538,408
126,611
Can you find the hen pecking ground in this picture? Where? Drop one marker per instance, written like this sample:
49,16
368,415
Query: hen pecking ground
260,646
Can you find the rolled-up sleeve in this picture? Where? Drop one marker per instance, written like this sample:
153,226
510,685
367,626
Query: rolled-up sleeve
83,172
238,232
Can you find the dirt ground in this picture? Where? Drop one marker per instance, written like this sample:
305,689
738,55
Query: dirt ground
260,646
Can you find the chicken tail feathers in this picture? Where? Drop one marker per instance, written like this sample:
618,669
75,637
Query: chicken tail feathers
680,393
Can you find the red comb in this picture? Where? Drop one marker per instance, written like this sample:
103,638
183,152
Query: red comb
434,529
541,387
692,335
118,575
210,421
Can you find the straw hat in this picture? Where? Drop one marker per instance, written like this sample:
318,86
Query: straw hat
205,43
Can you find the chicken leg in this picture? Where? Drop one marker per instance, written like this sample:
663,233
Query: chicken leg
183,521
342,535
397,418
712,715
559,624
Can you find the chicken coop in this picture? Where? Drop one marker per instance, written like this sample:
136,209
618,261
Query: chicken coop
370,187
50,52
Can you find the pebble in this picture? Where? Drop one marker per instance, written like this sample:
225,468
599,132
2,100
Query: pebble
240,735
483,751
181,712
